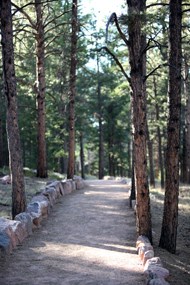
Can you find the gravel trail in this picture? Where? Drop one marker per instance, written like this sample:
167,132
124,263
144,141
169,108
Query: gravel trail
88,239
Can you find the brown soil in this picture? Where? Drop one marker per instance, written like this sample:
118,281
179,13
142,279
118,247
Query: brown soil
88,239
178,264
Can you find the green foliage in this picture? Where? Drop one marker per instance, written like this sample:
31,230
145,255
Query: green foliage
115,110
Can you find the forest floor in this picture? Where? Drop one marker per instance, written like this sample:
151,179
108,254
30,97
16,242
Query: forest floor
88,239
178,264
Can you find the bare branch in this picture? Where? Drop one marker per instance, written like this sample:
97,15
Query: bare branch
26,15
184,11
28,4
157,4
117,62
54,19
53,39
113,19
56,26
153,71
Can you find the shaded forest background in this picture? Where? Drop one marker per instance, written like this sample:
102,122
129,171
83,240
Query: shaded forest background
103,94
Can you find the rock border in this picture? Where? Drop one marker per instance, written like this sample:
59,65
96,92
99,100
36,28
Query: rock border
14,232
153,270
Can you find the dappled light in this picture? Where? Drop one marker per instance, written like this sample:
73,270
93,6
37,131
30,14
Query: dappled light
88,239
178,264
109,256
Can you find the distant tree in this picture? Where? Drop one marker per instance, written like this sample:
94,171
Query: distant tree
101,133
1,143
150,158
38,26
185,161
40,88
170,217
158,132
72,91
15,155
45,28
100,123
82,156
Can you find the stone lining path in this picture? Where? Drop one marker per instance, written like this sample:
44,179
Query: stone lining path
88,239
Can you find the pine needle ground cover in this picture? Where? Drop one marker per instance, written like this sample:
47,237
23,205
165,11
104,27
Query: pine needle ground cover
178,264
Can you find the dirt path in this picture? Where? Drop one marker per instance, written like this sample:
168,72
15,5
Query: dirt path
89,238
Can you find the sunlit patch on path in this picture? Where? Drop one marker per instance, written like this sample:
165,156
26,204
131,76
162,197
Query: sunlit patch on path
89,238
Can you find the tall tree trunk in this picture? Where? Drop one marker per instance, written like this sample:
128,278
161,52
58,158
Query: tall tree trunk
72,93
40,89
1,144
82,155
100,125
186,151
170,216
14,145
101,143
130,155
136,57
133,191
111,151
151,160
160,155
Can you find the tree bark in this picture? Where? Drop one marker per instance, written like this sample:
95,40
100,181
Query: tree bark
1,144
151,160
13,135
82,155
160,155
111,150
186,151
136,58
72,93
101,144
133,190
40,90
170,216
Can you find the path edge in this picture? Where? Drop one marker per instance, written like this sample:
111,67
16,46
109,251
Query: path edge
14,232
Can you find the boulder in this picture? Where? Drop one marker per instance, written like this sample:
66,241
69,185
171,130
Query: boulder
50,193
142,239
80,184
44,204
58,187
5,245
147,255
157,281
158,271
35,212
26,222
153,261
73,184
143,249
12,234
123,180
5,179
67,186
